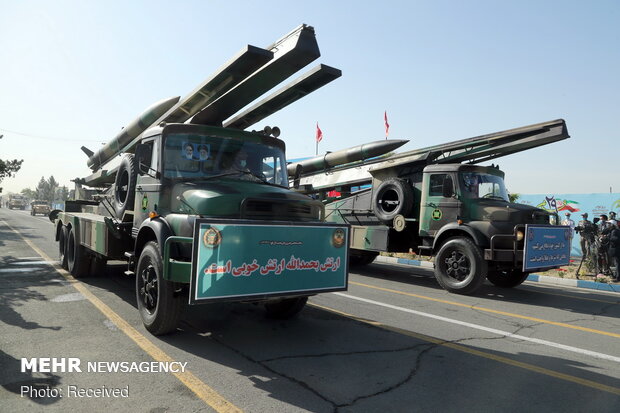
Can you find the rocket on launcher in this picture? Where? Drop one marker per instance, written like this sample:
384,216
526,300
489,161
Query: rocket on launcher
130,132
344,156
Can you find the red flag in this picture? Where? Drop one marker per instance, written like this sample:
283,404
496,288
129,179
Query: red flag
319,133
387,125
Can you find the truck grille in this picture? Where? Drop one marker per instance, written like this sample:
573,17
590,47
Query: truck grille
279,209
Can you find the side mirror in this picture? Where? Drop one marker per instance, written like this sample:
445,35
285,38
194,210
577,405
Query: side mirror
448,188
143,157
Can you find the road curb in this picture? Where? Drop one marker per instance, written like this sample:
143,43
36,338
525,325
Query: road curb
543,279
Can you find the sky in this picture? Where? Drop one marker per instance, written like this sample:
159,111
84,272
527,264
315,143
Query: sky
73,73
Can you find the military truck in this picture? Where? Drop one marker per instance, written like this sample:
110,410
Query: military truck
39,207
17,202
438,202
200,209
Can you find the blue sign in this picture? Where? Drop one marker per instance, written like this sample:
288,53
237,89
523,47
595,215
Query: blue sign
254,259
575,205
546,247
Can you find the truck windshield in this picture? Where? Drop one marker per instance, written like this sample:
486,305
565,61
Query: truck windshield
481,185
191,156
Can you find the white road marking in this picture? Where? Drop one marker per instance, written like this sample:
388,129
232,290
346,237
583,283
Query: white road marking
32,262
487,329
18,269
65,298
29,258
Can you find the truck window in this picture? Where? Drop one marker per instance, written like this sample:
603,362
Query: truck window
481,185
201,156
436,184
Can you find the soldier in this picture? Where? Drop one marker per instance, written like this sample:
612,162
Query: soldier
569,223
612,218
586,230
602,244
614,252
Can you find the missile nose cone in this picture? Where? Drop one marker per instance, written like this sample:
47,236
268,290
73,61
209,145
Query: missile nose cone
344,156
132,130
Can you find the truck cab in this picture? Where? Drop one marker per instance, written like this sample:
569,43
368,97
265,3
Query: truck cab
474,200
189,171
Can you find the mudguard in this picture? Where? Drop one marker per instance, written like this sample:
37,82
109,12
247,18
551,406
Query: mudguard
158,227
452,229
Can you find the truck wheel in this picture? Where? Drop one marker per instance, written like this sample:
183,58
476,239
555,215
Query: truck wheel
125,185
286,308
77,258
62,246
508,278
361,258
393,197
459,266
159,306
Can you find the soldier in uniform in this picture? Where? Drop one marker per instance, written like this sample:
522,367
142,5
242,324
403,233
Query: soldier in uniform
602,244
614,252
569,223
586,231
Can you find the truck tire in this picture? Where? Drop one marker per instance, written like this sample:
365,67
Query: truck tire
286,308
361,258
159,305
62,246
393,197
78,260
508,278
459,266
125,185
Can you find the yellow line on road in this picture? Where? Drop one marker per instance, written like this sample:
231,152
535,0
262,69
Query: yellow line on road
488,310
203,391
479,353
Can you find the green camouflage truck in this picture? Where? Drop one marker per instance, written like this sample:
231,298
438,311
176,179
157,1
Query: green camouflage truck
200,209
439,202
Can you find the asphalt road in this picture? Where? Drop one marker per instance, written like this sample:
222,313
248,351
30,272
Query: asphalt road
394,342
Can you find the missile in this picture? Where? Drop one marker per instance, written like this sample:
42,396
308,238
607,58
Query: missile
306,84
131,131
242,65
291,53
344,156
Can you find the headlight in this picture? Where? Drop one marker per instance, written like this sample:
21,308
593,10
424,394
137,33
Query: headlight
520,235
553,219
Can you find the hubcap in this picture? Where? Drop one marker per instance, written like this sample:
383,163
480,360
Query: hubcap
457,265
148,288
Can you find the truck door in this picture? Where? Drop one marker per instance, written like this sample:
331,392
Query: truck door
437,209
148,187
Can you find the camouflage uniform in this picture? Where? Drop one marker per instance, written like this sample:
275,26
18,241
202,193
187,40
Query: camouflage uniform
586,230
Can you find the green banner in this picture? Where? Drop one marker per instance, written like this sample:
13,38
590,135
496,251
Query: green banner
233,260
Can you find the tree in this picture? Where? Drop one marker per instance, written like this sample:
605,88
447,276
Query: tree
62,193
29,193
42,189
9,168
52,187
513,197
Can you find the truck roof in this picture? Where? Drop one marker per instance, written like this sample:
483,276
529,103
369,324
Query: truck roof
450,167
